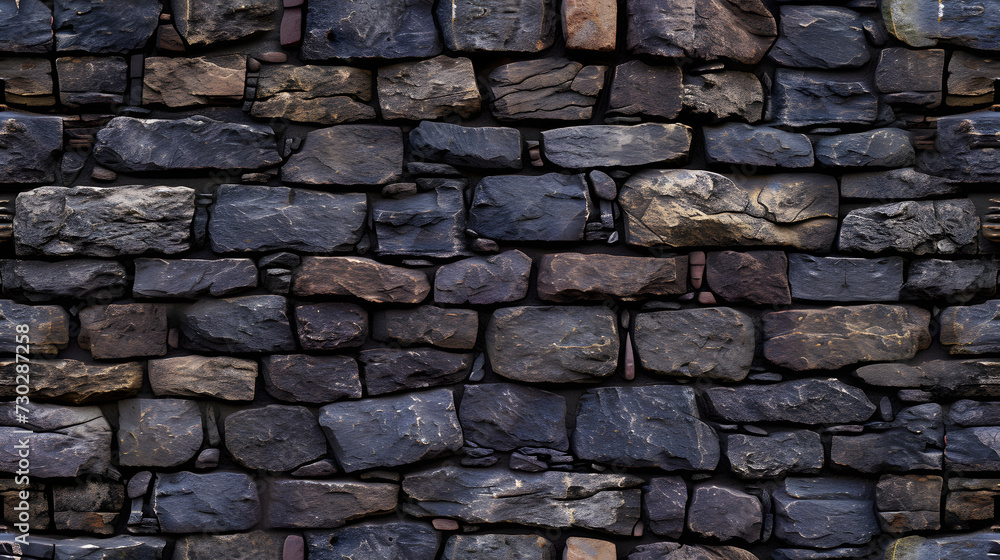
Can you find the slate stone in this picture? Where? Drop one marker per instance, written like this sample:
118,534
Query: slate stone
883,147
803,401
904,183
678,551
480,147
845,278
74,279
239,324
403,540
311,379
970,79
959,547
555,344
723,513
742,144
331,326
435,88
974,413
185,502
506,417
453,329
218,377
546,88
714,343
970,329
741,30
31,144
913,442
521,547
653,426
424,224
313,94
131,145
824,37
641,89
274,438
844,335
724,95
911,77
550,207
121,546
918,227
91,506
237,546
347,154
803,98
951,378
96,27
126,330
688,208
973,449
966,147
361,278
389,370
66,442
775,455
383,30
825,512
664,503
73,381
158,432
48,327
192,278
25,27
565,277
759,277
28,82
203,24
385,432
602,502
616,145
186,82
486,25
908,503
501,278
323,504
90,80
920,25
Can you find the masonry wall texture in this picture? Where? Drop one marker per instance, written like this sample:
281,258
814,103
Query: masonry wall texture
499,279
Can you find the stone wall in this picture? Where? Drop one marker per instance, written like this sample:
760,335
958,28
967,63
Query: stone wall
505,279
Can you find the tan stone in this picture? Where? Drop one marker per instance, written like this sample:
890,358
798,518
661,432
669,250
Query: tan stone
75,382
316,94
590,24
27,81
220,377
429,89
578,548
361,278
184,82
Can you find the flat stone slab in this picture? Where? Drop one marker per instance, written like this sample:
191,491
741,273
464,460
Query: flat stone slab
219,377
67,441
918,227
616,145
484,280
192,278
486,147
239,324
714,343
803,401
776,454
825,512
158,432
566,277
550,207
845,278
347,154
360,278
274,438
185,502
435,88
403,540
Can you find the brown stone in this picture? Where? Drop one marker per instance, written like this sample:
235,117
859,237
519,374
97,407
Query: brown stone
48,327
184,82
964,510
579,548
315,94
590,25
291,27
547,88
564,277
75,382
168,39
361,278
27,82
759,277
331,326
907,503
91,506
273,57
325,504
445,524
124,330
429,89
444,328
641,89
218,377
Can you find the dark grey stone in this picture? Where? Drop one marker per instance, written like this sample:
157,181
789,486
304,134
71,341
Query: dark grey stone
31,145
723,513
545,88
922,25
209,23
67,441
642,89
975,449
94,26
912,442
49,327
191,278
806,98
326,504
274,438
943,227
955,281
844,278
125,330
506,417
436,88
911,77
664,502
883,147
186,502
76,279
742,144
484,280
347,154
481,147
331,326
424,224
971,329
455,329
114,548
975,413
236,546
714,343
820,37
678,551
947,378
550,207
904,183
384,29
158,432
825,512
724,95
493,25
400,540
91,80
578,147
389,370
519,547
967,148
240,324
775,455
311,379
25,27
804,401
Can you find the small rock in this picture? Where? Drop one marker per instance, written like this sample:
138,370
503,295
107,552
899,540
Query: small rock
404,540
911,77
26,27
423,224
904,183
475,547
664,503
88,80
806,98
825,512
775,455
32,143
202,24
590,24
68,279
314,94
483,280
208,459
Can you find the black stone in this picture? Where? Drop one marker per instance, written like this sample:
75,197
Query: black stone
904,183
326,504
424,224
495,25
94,26
804,401
678,551
955,281
844,278
88,280
25,27
208,23
724,95
820,37
331,326
455,329
480,147
384,29
742,144
91,80
883,147
400,540
943,227
484,280
186,502
191,278
311,379
641,89
506,417
274,438
776,454
390,370
825,512
664,503
911,77
805,98
240,324
31,144
550,207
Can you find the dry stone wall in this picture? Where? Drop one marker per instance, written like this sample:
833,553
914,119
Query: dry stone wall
499,279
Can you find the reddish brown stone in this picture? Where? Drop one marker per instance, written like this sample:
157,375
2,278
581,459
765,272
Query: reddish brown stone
566,277
590,24
295,548
442,524
578,548
124,330
168,39
291,27
183,82
754,276
361,278
273,56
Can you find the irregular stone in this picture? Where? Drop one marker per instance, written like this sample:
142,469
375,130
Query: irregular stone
425,224
970,329
31,144
66,442
126,330
966,148
550,207
601,502
759,277
103,221
904,183
803,401
590,24
385,431
970,79
742,144
26,27
911,77
553,343
671,208
845,278
314,94
943,227
191,278
805,98
912,442
664,503
883,147
382,30
28,82
846,335
131,145
239,324
951,378
186,82
361,278
724,95
484,25
454,329
522,547
403,540
311,379
217,377
565,277
75,279
776,454
974,413
483,280
546,88
92,506
389,370
653,426
973,449
207,24
961,547
480,147
274,438
677,551
96,27
920,25
725,513
158,432
714,343
953,281
615,145
121,546
74,382
641,89
186,502
349,154
237,546
909,502
435,88
824,37
331,326
824,512
506,417
48,327
88,80
742,30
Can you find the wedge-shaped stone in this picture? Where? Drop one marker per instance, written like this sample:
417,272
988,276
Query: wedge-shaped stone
564,277
48,327
30,147
616,145
361,278
314,94
192,278
602,502
217,377
325,504
715,343
74,382
429,89
803,401
545,88
67,441
491,25
550,207
384,29
918,227
349,154
185,502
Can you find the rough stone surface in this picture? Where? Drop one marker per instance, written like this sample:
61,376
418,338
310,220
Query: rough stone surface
453,329
402,540
952,281
31,144
882,147
435,88
219,377
973,449
480,147
314,94
192,278
186,502
487,25
483,280
943,227
804,401
203,24
74,279
506,417
641,89
724,513
274,438
908,503
776,454
550,207
28,82
96,27
913,441
742,144
88,80
331,326
904,183
361,278
845,278
971,329
805,98
565,277
390,370
715,343
158,432
348,154
614,145
548,88
678,551
67,441
382,30
185,82
126,330
25,27
911,77
920,26
664,502
75,382
311,379
238,546
966,146
759,277
48,326
240,324
522,547
826,512
722,95
970,79
820,37
428,224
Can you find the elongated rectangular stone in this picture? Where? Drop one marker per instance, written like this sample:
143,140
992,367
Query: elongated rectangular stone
616,145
